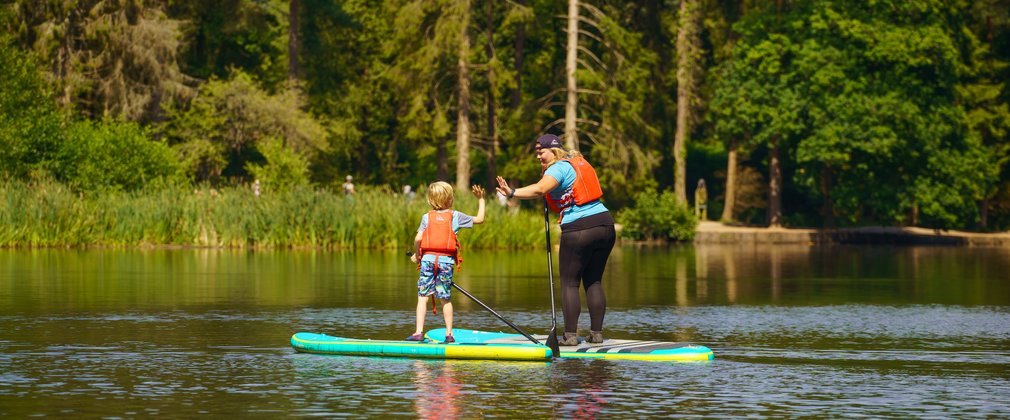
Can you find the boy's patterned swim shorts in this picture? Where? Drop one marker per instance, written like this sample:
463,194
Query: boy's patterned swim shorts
435,282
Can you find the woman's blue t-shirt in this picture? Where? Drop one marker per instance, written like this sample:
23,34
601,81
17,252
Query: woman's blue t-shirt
564,173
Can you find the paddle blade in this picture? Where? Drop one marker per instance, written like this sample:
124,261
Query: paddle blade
552,342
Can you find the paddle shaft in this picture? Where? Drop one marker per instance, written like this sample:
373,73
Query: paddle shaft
552,337
492,311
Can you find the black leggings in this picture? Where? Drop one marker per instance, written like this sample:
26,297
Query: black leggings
583,256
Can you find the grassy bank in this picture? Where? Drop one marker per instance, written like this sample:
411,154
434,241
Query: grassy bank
46,214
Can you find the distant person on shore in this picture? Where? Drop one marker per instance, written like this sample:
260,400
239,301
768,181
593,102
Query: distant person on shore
701,201
436,252
408,193
256,188
587,231
349,185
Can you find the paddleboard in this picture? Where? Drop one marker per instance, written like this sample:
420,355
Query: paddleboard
324,344
608,349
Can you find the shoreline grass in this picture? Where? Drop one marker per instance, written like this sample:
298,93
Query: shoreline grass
48,214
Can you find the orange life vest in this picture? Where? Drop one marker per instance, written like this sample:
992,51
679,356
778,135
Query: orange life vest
438,238
585,189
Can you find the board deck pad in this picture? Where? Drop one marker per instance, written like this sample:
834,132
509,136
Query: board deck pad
608,349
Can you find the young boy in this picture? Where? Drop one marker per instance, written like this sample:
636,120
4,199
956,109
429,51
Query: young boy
436,251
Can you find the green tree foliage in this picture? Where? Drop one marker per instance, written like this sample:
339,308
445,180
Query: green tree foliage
249,35
354,76
335,48
110,58
30,126
110,155
861,99
423,50
36,140
222,130
984,95
617,81
521,111
284,168
616,75
881,112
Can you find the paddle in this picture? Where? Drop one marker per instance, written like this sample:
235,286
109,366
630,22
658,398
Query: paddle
552,337
519,330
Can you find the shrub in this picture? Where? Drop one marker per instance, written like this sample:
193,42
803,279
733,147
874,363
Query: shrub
116,156
30,131
658,216
284,169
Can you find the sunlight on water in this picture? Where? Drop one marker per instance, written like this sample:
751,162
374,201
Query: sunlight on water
93,335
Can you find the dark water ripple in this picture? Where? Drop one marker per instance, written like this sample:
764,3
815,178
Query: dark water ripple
91,335
825,361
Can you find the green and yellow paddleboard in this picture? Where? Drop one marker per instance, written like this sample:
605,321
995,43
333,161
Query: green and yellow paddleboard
324,344
484,345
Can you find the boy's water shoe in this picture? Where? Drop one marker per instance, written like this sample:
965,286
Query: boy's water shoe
449,339
415,337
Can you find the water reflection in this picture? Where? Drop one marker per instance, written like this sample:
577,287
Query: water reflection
681,280
439,390
799,274
797,331
584,386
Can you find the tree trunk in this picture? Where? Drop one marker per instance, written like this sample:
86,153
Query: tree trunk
441,160
687,44
774,187
520,41
572,102
492,123
828,211
363,161
293,44
727,209
463,113
983,214
64,62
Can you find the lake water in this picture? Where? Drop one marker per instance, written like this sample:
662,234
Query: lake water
796,331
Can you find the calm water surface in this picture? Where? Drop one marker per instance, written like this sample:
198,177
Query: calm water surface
797,331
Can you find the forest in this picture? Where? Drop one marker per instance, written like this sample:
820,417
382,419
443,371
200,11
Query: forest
813,113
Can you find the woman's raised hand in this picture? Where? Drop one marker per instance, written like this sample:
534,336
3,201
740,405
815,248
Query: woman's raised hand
503,187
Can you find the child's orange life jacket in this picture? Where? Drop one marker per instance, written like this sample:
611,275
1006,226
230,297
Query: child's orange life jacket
585,189
439,239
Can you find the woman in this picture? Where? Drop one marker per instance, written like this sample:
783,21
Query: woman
587,231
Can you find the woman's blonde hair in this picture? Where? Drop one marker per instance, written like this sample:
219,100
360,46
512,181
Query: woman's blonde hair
560,153
440,195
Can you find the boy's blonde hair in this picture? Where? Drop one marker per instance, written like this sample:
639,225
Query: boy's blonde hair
440,195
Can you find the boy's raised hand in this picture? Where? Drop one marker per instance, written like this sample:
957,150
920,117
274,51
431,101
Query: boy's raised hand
478,191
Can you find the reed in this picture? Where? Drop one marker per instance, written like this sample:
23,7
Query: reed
47,214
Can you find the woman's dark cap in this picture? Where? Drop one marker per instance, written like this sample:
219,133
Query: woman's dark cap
548,141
